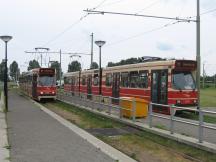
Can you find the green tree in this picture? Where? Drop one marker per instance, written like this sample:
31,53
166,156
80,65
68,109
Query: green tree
14,70
56,65
33,64
74,66
110,64
2,67
94,65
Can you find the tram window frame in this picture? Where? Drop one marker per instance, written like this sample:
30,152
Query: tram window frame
96,80
143,79
134,79
77,81
109,79
72,81
125,79
83,80
65,80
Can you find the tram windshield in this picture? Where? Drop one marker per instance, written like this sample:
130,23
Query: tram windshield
47,81
183,80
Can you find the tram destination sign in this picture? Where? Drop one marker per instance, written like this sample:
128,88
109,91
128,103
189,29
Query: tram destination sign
185,65
47,71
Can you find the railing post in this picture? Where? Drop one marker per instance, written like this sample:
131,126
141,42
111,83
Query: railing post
120,108
150,114
171,119
134,109
92,101
110,105
200,126
100,101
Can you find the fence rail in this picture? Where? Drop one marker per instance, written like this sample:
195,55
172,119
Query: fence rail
112,105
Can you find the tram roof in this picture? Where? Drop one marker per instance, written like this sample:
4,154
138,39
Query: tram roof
128,66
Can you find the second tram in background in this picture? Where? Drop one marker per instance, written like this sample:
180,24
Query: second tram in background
39,83
167,82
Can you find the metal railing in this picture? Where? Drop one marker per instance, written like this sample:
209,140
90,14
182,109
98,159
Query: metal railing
201,124
112,106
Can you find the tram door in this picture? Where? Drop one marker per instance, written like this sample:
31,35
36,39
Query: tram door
159,89
72,82
89,86
34,86
116,87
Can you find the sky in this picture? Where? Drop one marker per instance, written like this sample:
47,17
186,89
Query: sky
62,24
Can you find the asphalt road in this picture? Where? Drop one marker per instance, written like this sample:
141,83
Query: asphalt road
34,136
181,128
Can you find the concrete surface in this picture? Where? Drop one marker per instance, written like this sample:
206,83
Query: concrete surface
35,136
4,152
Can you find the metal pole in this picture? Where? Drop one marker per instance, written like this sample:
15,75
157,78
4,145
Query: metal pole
60,69
41,59
198,53
171,119
110,104
5,80
203,75
100,71
49,63
92,39
200,126
215,80
150,115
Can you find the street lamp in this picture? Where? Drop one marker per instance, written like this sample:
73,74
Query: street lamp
6,39
100,43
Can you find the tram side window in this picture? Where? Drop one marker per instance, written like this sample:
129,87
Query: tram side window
77,80
143,79
65,80
83,80
134,79
96,80
124,79
72,81
108,79
29,79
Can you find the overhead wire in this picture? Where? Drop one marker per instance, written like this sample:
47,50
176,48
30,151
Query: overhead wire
209,11
72,25
203,13
159,28
149,6
143,33
112,3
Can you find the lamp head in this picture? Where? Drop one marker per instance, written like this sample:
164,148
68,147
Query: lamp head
6,38
100,43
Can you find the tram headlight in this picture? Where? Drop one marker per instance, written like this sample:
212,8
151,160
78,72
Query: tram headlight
195,101
41,93
53,92
178,102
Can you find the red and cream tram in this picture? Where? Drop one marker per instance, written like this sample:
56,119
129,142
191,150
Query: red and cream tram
163,82
39,83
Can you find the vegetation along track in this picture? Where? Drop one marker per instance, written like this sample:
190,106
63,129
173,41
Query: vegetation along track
140,145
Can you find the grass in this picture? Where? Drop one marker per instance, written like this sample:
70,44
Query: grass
142,146
158,147
208,97
83,118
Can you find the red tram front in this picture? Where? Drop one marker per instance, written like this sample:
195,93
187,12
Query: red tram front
39,83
